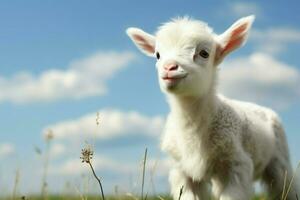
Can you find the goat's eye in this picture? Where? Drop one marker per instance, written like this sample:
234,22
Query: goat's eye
157,55
204,54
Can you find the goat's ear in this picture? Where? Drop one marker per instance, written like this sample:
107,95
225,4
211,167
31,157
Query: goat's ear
233,37
144,41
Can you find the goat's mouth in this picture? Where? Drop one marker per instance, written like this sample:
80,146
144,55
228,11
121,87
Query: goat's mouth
174,76
173,80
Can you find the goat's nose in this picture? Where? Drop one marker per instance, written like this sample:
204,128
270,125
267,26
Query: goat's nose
171,67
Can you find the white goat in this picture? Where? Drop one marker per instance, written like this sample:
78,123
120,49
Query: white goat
219,145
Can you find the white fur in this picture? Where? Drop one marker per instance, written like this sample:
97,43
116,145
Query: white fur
219,146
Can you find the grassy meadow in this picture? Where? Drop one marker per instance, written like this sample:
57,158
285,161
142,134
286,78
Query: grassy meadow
87,155
62,197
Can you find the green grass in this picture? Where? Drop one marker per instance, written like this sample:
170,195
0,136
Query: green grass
60,197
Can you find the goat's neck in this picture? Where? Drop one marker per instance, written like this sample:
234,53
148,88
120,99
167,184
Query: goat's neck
199,110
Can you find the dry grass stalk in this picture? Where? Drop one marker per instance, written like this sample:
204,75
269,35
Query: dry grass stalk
160,198
284,184
180,192
291,182
86,156
48,137
143,176
80,194
16,184
131,196
97,118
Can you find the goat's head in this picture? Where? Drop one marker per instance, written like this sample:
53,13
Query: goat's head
187,52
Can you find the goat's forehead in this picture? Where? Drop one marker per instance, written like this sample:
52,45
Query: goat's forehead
184,31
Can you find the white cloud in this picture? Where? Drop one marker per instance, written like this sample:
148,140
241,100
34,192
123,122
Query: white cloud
160,166
57,150
74,166
84,77
126,174
260,78
113,123
6,149
275,40
242,9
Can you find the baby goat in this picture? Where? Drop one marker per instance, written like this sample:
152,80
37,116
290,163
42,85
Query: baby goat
219,145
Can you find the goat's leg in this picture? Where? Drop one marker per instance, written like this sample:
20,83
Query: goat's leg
234,182
184,187
274,178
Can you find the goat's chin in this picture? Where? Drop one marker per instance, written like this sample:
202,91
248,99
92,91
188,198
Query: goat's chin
182,89
171,86
178,89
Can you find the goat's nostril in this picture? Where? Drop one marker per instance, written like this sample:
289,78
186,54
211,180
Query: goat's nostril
171,67
174,67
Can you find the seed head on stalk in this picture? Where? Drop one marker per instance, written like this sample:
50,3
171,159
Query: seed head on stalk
87,154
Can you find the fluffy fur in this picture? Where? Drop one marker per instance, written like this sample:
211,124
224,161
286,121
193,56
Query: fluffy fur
220,146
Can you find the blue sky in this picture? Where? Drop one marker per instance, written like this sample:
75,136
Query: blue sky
63,61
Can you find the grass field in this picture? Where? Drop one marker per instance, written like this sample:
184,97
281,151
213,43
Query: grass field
87,154
53,197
